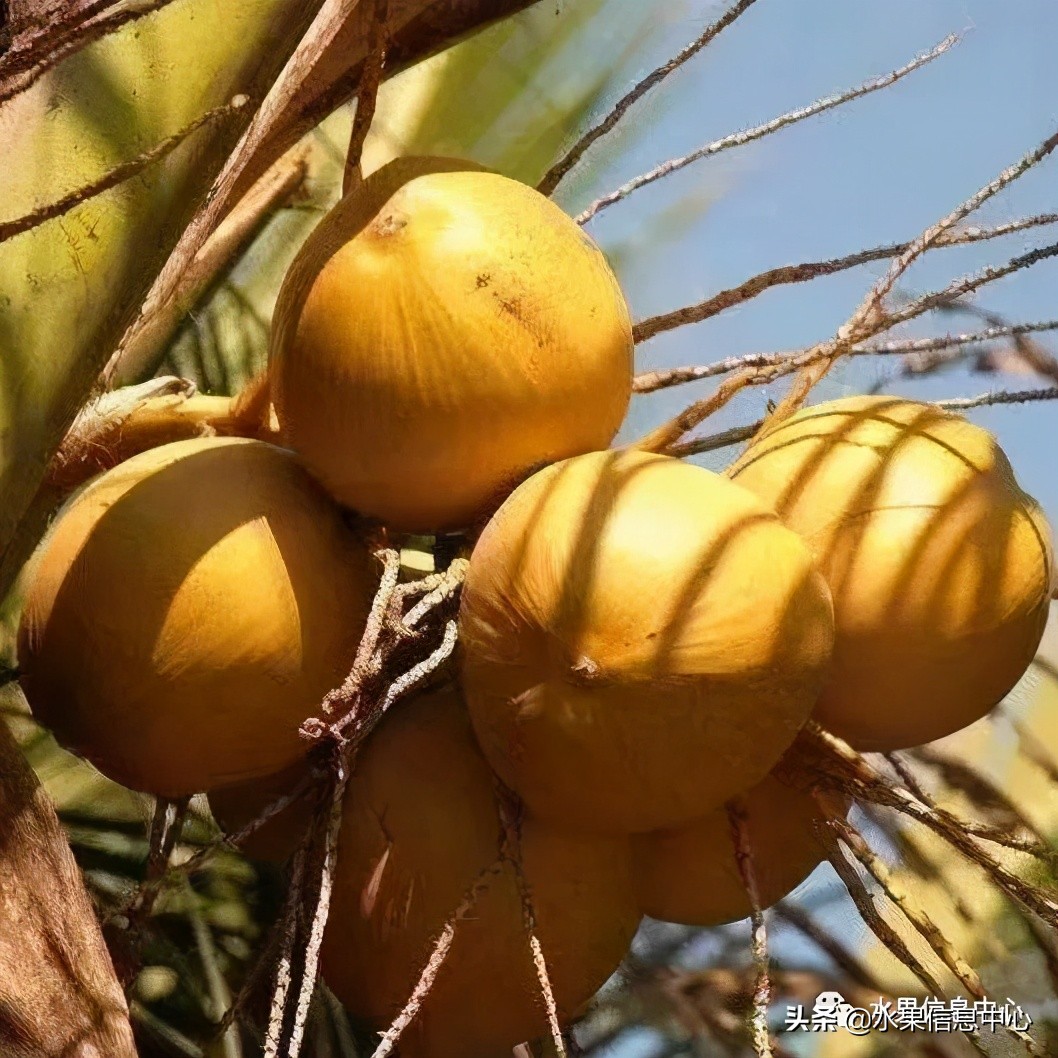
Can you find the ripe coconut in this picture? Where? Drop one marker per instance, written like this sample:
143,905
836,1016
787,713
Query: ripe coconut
642,640
690,874
939,565
443,331
420,829
190,608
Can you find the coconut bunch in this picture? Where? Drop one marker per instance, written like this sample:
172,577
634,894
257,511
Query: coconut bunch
641,641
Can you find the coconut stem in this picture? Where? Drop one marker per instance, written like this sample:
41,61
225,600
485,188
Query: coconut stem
824,759
511,811
433,966
380,675
861,897
128,421
916,915
738,818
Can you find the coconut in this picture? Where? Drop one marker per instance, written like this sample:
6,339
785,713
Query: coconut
690,874
443,331
642,640
939,564
420,829
190,608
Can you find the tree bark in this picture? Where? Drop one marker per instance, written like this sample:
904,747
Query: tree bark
59,996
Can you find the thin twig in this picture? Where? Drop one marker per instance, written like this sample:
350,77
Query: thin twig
285,966
664,437
940,299
737,434
919,918
792,913
714,442
437,957
366,95
738,819
650,381
1002,396
372,631
861,897
981,790
511,821
33,54
916,915
448,583
119,174
553,177
738,139
869,318
310,968
419,673
815,361
646,329
832,762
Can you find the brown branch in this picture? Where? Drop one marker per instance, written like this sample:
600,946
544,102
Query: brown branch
40,47
984,793
814,362
511,811
823,759
366,96
143,346
321,911
418,28
869,318
284,973
321,33
917,916
870,914
738,819
554,176
1024,396
737,434
119,174
941,299
125,422
646,329
649,381
433,966
793,914
664,437
739,139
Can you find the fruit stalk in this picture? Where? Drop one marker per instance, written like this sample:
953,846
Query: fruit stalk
740,837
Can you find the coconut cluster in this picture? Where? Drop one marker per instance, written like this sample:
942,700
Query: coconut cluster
641,640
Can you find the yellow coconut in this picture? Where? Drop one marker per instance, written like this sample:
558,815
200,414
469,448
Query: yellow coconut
939,564
443,331
420,829
690,874
188,611
642,639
